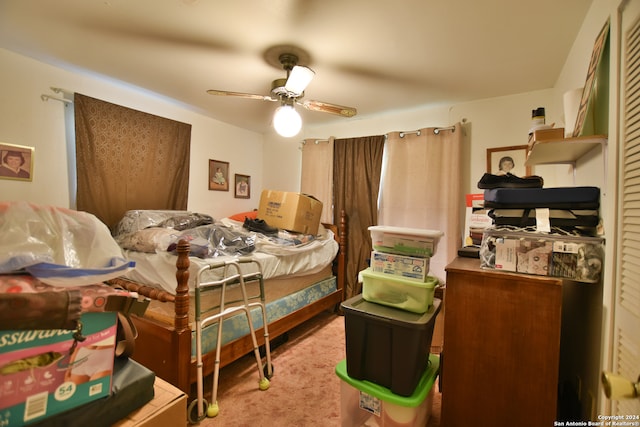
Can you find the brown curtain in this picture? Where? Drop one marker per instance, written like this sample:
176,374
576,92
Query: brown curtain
127,159
356,173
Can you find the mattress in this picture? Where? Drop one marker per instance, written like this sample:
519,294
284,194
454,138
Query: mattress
236,326
274,289
296,271
283,295
159,269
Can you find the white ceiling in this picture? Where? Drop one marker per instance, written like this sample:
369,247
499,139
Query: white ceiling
375,55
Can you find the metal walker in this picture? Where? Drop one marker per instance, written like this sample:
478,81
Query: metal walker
265,372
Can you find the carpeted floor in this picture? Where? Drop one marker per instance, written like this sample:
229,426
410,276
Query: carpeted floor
304,390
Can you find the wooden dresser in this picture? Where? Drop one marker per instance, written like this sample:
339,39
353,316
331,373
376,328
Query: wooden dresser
501,354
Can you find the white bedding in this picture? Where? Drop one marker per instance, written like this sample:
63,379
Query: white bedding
159,269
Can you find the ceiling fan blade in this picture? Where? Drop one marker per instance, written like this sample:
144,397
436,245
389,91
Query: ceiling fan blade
329,108
241,95
299,79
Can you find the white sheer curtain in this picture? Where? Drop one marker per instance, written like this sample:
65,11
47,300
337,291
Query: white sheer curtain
317,174
420,187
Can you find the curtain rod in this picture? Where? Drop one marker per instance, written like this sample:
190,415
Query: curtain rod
48,97
62,91
417,132
316,141
436,131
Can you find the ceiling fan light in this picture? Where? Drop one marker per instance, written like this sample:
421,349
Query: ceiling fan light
299,79
286,121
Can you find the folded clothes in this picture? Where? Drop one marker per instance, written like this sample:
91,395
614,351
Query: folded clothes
573,198
509,181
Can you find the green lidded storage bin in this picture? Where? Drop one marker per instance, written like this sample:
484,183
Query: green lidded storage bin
360,400
398,292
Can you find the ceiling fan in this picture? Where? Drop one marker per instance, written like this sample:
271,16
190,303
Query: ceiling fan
289,91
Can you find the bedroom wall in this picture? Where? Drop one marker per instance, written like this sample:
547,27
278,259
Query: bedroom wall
26,120
494,122
505,121
275,162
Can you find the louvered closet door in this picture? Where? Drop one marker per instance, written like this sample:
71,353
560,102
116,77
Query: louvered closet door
627,305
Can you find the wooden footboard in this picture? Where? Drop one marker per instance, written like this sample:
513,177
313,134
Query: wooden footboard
166,349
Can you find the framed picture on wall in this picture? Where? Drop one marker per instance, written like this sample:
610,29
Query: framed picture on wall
242,186
511,159
16,162
596,57
218,175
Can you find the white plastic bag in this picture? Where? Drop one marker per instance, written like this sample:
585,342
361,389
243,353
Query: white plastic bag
59,246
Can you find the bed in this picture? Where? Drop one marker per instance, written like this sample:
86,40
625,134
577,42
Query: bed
166,332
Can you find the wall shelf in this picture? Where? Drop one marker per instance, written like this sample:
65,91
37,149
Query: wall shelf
566,150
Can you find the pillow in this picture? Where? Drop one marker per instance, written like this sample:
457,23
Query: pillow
242,215
184,222
135,220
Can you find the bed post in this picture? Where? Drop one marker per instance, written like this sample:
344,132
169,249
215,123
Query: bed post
181,336
182,288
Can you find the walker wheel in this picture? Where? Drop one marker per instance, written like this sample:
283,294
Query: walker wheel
265,369
192,412
264,384
213,410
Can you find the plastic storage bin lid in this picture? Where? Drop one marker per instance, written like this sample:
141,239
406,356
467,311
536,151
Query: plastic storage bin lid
420,232
405,241
430,282
360,307
423,388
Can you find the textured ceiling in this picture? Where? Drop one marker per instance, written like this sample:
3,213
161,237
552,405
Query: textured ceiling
375,55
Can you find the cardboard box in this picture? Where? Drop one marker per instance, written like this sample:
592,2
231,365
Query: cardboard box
168,408
290,211
476,219
41,374
541,135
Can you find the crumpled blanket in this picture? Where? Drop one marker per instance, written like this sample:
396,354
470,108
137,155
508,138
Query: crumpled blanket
136,220
209,241
59,246
160,231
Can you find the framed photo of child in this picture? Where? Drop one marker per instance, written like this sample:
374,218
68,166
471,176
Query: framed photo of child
218,175
16,162
242,186
503,160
